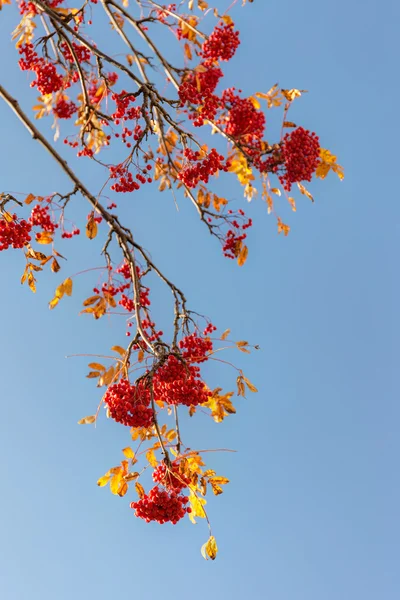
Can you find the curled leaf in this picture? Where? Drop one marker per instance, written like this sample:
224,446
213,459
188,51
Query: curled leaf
210,549
87,420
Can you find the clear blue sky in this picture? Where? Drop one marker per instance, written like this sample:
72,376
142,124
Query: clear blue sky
312,510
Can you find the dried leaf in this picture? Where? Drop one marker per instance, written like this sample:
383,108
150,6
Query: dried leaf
96,366
87,420
67,285
304,191
251,387
53,303
29,199
240,386
31,282
139,489
55,267
225,334
93,374
119,349
217,489
91,300
243,254
91,228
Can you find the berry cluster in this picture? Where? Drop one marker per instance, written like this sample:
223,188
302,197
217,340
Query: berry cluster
161,506
300,152
40,218
126,182
222,43
47,78
243,120
122,100
178,383
202,169
197,86
129,404
170,477
14,233
64,109
196,349
67,235
82,53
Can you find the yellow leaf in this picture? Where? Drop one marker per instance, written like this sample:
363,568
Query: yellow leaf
196,505
103,480
44,238
67,285
210,549
53,303
97,366
91,300
151,457
87,420
243,254
140,356
29,199
139,489
128,452
328,162
108,376
255,102
225,334
100,309
273,97
116,482
188,52
251,387
118,349
292,203
91,228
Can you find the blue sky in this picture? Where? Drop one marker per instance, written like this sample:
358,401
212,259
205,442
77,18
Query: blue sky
312,508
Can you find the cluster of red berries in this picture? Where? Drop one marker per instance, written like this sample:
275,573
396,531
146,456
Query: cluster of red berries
67,235
178,383
64,109
161,506
170,477
129,404
126,182
14,233
232,243
162,15
209,329
40,218
199,85
202,169
83,54
196,349
136,133
122,100
300,152
243,120
222,43
47,78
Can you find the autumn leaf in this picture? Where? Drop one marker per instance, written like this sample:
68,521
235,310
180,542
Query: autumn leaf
139,489
32,282
44,238
116,482
273,96
30,197
91,300
103,480
128,452
225,334
328,162
210,549
93,374
304,191
119,349
87,420
251,387
290,95
243,254
196,505
53,303
67,286
240,386
282,228
220,405
96,366
91,228
151,457
219,480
